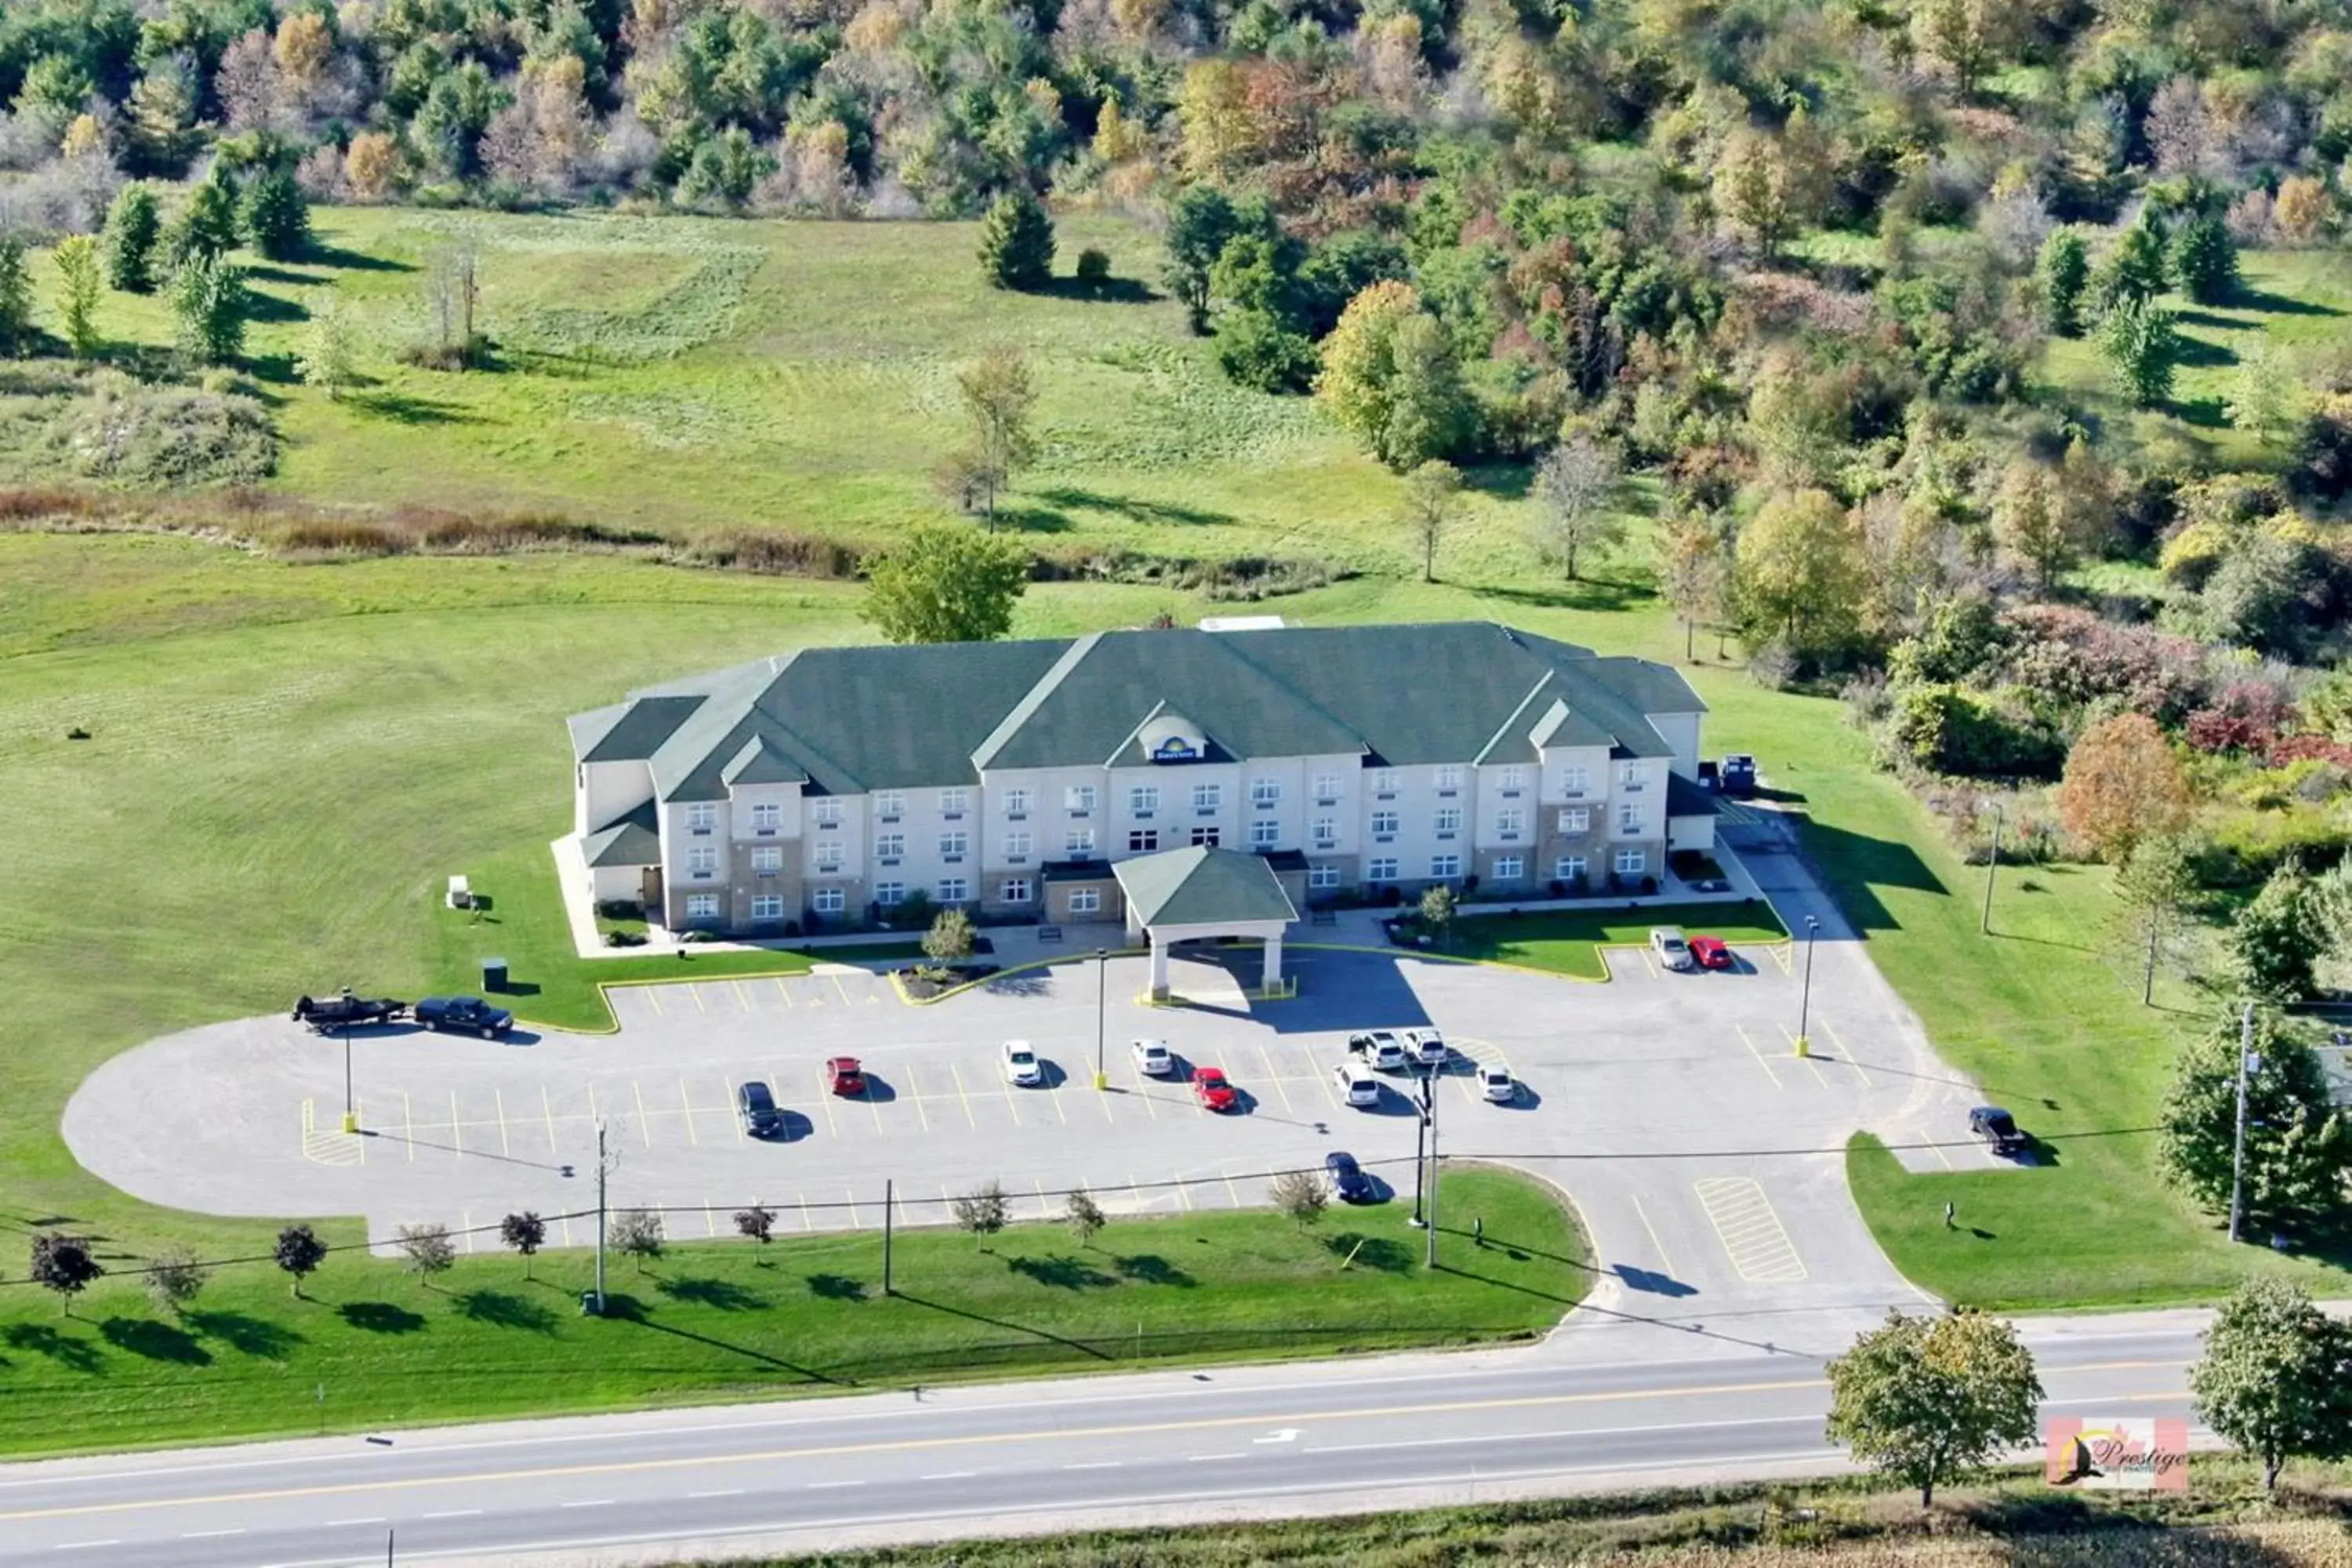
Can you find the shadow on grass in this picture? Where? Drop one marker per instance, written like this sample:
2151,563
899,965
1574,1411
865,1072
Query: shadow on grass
379,1318
2262,299
1504,481
344,260
2204,413
2196,352
502,1310
1079,1346
629,1309
1383,1253
1062,1271
1097,292
1579,596
403,408
1151,1268
246,1334
44,1340
1032,520
156,1342
723,1294
836,1286
1134,510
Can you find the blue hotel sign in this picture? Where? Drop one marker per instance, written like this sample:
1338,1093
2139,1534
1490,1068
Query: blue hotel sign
1175,749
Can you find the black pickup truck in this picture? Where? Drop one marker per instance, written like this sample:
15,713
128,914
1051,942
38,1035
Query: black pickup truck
346,1011
469,1014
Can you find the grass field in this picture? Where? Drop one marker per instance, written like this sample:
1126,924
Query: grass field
368,1347
1568,942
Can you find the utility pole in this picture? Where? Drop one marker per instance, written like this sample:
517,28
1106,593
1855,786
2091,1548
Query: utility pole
1805,996
351,1111
1992,863
1429,1106
2248,1064
1102,981
887,1191
1420,1136
604,1168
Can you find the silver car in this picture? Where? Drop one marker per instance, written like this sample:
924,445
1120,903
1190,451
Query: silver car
1668,942
1022,1066
1152,1057
1498,1084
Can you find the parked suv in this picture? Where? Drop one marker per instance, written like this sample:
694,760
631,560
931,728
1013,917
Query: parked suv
1380,1049
1429,1047
1356,1083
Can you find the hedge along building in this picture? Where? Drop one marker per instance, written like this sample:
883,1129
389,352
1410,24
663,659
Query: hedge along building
831,783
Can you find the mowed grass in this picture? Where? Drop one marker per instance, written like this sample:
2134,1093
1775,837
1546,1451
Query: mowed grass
372,1348
693,375
1568,942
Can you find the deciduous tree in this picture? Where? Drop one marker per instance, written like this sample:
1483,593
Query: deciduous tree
2297,1148
983,1211
1086,1216
1694,565
525,1232
951,938
175,1279
758,1222
2276,939
64,1264
1800,574
1927,1399
2142,346
998,399
299,1252
1200,221
945,582
638,1233
1432,494
329,356
1575,484
426,1250
1390,375
2122,784
2155,884
2276,1377
78,287
2263,397
2032,522
1300,1195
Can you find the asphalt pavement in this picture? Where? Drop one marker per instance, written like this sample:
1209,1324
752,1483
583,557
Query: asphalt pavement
1608,1403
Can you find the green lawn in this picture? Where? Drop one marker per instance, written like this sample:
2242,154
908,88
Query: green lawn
1568,942
370,1348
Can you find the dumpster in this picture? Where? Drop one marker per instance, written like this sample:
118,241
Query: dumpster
494,974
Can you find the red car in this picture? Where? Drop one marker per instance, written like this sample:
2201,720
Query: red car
844,1076
1214,1090
1710,953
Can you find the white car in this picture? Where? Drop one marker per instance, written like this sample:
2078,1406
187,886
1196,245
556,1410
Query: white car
1152,1057
1673,952
1429,1047
1380,1049
1022,1066
1497,1085
1356,1083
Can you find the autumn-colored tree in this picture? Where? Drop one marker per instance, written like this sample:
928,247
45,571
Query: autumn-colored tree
2032,522
2122,784
1390,375
2302,209
1220,129
371,164
1800,574
1694,572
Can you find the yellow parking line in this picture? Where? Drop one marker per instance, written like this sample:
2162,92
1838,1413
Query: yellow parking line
837,986
653,995
1647,961
1759,1057
1845,1053
1818,1076
500,1102
1665,1259
740,994
696,992
1275,1078
1946,1159
547,1108
815,1000
962,1095
1753,1237
645,1122
1324,1078
408,1126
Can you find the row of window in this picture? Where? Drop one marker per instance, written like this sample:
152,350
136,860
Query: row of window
826,812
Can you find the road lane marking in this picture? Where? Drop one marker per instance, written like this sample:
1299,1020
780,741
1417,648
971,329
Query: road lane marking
339,1523
1750,1230
950,1476
1759,1057
827,1486
210,1534
1663,1258
1097,1464
719,1491
590,1502
82,1545
990,1439
457,1513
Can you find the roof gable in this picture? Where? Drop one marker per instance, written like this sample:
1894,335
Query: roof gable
1200,886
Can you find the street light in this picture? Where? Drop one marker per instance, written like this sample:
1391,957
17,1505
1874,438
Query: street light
1422,1127
351,1111
1805,997
1992,863
1102,972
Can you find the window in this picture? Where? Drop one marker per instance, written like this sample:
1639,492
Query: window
702,860
1016,803
1208,797
702,906
767,860
953,843
1142,840
1449,776
1510,821
1630,775
1509,867
1327,787
828,857
767,817
1078,843
890,894
1143,799
1574,781
1576,819
889,847
1629,862
954,802
1264,835
1079,797
1629,817
1322,876
1085,900
701,816
1204,838
768,907
1568,867
1380,869
1016,848
1384,823
1384,781
1265,793
1327,832
1449,819
1511,778
827,812
953,889
1446,865
829,901
889,805
1013,891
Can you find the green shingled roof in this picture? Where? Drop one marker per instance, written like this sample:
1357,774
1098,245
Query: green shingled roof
848,721
631,839
1200,886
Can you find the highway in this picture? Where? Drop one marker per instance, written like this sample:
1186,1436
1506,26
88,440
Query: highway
1601,1404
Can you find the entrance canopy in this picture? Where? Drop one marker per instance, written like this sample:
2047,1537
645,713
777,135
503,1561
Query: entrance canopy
1184,895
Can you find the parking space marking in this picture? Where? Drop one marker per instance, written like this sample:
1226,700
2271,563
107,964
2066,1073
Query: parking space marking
1758,1056
1818,1076
1275,1078
806,1225
1783,954
653,995
1750,1230
964,1096
854,1224
499,1101
782,990
645,1122
1665,1259
825,1099
696,992
1846,1054
565,1222
1938,1145
740,994
837,986
727,1098
547,1107
408,1126
1044,1209
1183,1196
1231,1191
457,1133
466,1227
915,1085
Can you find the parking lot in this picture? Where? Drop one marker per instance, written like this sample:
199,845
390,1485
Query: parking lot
1702,1153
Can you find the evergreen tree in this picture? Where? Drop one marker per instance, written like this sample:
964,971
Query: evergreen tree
2206,257
16,298
207,226
79,287
1016,243
209,305
2065,272
2135,270
134,226
277,216
2143,348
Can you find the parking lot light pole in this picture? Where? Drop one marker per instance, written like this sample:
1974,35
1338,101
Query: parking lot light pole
1102,982
1429,1108
1420,1162
1805,996
351,1112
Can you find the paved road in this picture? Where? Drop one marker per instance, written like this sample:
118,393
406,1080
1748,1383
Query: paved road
1608,1403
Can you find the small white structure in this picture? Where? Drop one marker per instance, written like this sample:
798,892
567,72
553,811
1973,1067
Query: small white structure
461,895
1187,895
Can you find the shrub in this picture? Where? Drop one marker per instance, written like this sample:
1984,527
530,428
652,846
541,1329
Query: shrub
1094,266
1948,729
166,437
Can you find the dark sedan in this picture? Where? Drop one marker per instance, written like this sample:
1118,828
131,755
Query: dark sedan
469,1014
1348,1182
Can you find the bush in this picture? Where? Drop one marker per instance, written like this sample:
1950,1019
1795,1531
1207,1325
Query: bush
1948,729
166,437
1094,266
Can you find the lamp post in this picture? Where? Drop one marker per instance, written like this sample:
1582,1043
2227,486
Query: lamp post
1805,996
351,1108
1992,863
1429,1110
1422,1127
1102,981
2248,1064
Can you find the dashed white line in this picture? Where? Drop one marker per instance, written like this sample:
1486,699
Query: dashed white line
209,1534
593,1502
952,1476
1210,1458
83,1545
1097,1464
827,1486
339,1523
457,1513
723,1491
